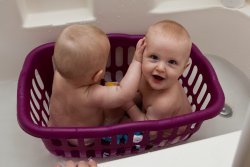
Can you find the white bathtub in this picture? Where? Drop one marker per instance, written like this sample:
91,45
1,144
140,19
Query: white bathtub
222,34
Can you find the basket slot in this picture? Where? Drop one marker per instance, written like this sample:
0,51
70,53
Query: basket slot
134,144
198,89
192,75
39,101
197,85
205,101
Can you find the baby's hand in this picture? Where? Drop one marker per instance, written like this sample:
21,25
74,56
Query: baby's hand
140,46
128,105
90,163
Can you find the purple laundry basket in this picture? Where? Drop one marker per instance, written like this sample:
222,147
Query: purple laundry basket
34,89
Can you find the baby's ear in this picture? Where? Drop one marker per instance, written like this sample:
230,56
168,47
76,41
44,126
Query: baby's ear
186,66
98,76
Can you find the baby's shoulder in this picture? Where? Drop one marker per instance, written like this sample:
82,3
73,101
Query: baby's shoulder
163,100
167,99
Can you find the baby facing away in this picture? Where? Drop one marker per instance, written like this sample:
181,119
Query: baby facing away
166,55
80,58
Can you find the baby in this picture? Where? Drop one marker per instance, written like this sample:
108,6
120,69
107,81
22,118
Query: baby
82,163
168,46
80,57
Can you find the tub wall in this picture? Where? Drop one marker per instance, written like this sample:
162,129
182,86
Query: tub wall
216,30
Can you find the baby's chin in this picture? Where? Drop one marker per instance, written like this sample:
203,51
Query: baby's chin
157,87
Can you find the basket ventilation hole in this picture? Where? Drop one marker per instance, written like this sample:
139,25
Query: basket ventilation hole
181,129
137,137
89,142
44,124
190,99
163,143
120,151
136,148
119,56
59,152
37,92
45,113
90,153
75,153
193,126
197,84
109,60
118,76
56,142
207,100
180,81
106,141
34,114
47,96
107,76
45,105
153,135
202,93
186,137
39,80
39,101
45,116
193,107
131,51
105,153
193,74
167,133
176,140
122,138
185,73
185,89
34,100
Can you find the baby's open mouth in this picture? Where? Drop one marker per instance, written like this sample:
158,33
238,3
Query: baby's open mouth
157,77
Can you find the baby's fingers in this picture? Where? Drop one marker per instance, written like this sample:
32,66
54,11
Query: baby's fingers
70,164
92,163
82,164
140,46
141,42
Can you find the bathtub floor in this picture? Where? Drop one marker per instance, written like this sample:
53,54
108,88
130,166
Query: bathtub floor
17,147
237,95
22,150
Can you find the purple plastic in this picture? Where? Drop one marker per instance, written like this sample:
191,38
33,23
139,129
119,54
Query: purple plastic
33,114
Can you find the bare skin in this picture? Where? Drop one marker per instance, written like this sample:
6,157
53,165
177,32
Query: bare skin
90,163
161,94
74,104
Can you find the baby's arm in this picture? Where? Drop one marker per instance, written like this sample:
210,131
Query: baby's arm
115,96
134,112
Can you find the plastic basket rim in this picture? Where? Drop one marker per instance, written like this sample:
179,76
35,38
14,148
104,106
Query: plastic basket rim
65,132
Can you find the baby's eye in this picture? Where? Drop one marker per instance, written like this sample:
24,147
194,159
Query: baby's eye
172,62
154,57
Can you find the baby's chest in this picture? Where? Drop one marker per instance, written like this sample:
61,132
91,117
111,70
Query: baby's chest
150,102
159,104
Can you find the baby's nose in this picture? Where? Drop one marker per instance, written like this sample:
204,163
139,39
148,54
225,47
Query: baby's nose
160,67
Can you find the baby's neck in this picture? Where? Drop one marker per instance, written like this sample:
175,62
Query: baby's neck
73,83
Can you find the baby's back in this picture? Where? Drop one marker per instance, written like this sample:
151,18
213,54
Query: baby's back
70,107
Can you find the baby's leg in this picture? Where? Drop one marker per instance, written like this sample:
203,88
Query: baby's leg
74,142
113,116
